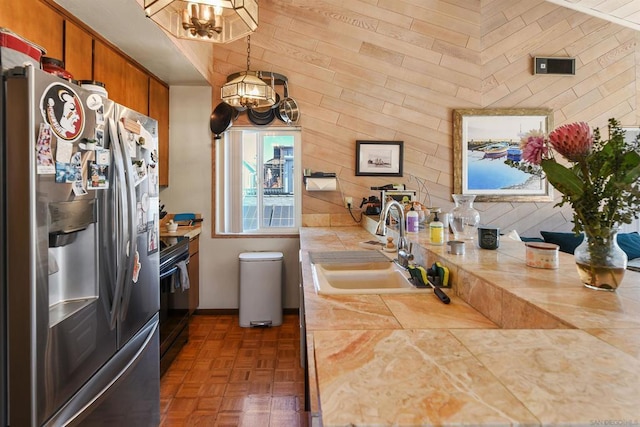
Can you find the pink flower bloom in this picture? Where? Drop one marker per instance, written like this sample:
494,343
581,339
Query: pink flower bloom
534,148
573,141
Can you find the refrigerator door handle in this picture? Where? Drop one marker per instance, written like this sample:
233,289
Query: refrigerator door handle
131,228
121,242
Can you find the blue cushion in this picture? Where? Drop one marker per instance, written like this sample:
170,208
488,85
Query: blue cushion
531,239
630,243
568,242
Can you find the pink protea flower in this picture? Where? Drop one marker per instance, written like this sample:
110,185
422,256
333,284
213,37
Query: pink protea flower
534,147
573,141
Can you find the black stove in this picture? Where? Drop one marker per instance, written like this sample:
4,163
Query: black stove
174,299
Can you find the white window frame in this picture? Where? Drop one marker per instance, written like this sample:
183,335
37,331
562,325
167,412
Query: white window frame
228,181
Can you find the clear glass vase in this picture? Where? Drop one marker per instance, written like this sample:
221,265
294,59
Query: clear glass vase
600,261
464,217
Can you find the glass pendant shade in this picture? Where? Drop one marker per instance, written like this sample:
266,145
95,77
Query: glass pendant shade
217,21
247,90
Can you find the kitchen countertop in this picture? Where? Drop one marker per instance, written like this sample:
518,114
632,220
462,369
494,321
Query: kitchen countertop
517,345
189,231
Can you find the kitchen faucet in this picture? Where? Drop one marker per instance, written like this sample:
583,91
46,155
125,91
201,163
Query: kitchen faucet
404,250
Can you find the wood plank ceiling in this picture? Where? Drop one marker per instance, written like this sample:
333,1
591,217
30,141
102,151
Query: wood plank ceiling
622,12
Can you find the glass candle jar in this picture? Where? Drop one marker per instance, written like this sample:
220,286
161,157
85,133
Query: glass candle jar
542,255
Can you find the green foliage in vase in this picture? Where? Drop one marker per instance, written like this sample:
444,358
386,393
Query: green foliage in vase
597,177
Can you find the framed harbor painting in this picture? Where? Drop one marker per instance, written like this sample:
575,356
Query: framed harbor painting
379,158
487,158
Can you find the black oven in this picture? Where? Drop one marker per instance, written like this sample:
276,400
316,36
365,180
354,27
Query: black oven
174,299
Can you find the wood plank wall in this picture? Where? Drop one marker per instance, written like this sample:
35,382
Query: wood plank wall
396,69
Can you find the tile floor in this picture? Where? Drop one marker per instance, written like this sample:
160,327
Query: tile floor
232,376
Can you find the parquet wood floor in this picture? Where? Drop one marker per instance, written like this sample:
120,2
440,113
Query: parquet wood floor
232,376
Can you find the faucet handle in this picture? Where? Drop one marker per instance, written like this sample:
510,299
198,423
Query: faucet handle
404,257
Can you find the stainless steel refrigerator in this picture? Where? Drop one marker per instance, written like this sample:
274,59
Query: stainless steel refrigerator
79,265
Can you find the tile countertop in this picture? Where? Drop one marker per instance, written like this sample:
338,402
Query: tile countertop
517,345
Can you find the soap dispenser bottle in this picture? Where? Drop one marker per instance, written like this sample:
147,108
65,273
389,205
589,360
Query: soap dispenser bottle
436,231
412,221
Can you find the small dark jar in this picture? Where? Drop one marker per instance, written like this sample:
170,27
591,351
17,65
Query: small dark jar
55,66
488,237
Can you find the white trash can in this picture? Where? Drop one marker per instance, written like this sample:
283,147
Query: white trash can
260,289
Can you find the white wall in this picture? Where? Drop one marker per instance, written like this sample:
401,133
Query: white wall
190,143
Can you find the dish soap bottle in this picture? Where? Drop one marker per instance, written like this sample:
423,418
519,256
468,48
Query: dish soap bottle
412,221
436,231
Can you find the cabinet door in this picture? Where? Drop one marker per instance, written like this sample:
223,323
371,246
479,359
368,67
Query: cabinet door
78,50
35,21
194,274
127,84
136,83
159,110
109,67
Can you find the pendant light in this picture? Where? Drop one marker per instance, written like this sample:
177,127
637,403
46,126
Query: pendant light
247,89
217,21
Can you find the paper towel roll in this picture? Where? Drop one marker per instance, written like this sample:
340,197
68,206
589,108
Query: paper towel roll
321,184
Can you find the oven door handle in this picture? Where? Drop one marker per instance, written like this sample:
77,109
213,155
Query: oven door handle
169,273
171,270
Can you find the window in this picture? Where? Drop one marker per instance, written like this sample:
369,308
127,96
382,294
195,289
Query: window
258,181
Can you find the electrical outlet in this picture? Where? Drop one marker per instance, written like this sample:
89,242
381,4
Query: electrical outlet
348,201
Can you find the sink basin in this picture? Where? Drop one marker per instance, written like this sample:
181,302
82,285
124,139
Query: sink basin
362,278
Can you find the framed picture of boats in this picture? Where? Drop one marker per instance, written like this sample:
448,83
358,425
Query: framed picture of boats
379,158
487,158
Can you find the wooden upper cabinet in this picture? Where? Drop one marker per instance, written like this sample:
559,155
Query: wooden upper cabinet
136,85
125,81
78,51
159,110
109,68
36,22
126,84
